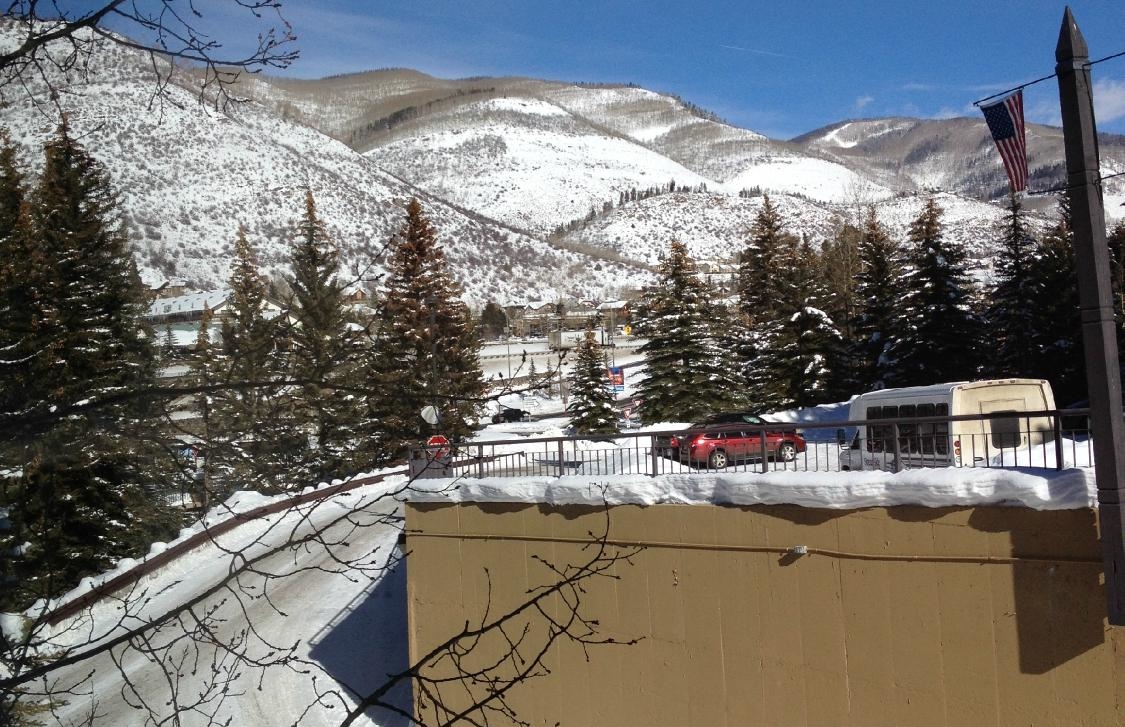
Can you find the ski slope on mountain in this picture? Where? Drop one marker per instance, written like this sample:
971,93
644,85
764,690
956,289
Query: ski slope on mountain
525,162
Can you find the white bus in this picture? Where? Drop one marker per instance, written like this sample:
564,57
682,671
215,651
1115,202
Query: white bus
947,443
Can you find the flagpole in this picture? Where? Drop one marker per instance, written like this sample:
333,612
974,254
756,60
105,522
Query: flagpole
1103,374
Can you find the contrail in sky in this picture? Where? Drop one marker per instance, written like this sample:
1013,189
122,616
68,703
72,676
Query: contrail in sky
755,50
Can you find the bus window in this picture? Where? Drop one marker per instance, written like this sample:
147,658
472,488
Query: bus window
941,430
908,431
1005,432
879,435
926,430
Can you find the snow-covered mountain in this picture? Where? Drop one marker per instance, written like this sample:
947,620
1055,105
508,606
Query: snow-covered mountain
538,155
956,154
188,175
538,189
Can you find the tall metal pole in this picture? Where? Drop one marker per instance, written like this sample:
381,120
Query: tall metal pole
1095,297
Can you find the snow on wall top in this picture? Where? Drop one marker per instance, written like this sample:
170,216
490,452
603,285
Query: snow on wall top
1037,489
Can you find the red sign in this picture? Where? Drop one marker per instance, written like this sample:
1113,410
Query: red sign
438,446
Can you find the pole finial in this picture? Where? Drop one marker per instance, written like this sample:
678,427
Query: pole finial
1071,43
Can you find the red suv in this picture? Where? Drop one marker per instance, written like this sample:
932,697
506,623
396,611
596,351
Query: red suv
717,445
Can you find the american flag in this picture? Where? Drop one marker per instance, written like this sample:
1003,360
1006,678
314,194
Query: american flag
1005,121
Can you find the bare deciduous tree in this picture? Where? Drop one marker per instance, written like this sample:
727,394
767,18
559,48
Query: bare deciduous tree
58,39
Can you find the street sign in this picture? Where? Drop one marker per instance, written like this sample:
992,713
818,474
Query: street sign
438,446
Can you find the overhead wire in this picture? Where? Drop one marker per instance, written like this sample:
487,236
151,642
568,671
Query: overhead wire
1022,86
1087,64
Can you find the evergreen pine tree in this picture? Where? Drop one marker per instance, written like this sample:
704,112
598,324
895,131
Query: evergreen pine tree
591,404
259,443
939,326
1056,314
426,346
1011,300
690,375
493,321
206,371
840,262
82,452
878,288
758,294
808,337
322,352
532,374
24,272
1116,241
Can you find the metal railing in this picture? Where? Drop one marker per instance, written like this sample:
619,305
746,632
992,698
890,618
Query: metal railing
1054,439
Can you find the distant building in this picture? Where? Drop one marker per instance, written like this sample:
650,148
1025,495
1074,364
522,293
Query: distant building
176,319
188,307
171,288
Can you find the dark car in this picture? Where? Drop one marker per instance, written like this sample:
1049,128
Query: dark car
511,414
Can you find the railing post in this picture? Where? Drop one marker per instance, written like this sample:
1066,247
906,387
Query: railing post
654,455
764,450
480,461
561,457
1057,427
897,447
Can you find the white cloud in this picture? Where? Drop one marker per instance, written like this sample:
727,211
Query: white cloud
946,112
1109,100
1045,111
862,102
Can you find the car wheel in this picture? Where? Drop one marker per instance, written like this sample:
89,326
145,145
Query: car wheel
717,460
786,452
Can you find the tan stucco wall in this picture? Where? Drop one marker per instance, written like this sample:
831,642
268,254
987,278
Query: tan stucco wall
897,616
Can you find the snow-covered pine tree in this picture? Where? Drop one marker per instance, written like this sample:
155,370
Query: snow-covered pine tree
1011,298
17,252
322,353
206,370
22,269
532,374
878,288
85,444
759,291
938,323
493,321
808,337
591,403
840,265
1116,240
690,375
1056,315
426,346
258,441
100,302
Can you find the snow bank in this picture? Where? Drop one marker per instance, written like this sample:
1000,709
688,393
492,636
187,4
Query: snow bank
1035,488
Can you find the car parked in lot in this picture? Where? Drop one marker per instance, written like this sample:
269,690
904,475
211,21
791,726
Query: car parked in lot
669,445
718,444
511,414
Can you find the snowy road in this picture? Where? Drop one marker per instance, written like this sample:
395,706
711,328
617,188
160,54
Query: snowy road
344,624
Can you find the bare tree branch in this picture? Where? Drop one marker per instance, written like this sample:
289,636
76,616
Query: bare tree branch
59,39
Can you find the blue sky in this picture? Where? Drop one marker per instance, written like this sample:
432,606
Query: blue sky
782,67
